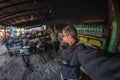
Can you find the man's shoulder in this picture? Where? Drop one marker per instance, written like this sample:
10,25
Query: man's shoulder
78,47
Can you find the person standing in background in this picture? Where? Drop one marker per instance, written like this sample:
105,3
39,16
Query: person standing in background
54,41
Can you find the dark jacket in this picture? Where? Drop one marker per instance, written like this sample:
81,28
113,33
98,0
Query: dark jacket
99,65
70,65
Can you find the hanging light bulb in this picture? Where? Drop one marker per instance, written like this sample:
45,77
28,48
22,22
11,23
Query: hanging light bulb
50,10
31,17
34,2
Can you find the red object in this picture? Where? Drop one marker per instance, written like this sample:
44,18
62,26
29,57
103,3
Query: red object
86,77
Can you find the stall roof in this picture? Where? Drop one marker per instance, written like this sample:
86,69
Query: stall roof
31,12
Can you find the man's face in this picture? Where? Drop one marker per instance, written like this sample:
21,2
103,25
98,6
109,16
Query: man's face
64,37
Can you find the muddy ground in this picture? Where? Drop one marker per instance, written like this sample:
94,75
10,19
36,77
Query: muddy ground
31,67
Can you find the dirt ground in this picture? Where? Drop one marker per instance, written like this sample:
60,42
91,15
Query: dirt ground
33,67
